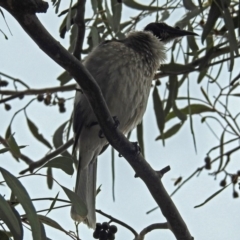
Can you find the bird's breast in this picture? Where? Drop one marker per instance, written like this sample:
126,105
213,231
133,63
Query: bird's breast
124,77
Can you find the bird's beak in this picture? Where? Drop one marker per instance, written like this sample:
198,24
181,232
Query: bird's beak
167,33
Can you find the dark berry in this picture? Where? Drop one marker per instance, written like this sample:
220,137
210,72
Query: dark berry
234,179
3,83
47,101
235,194
62,109
96,234
40,97
7,106
207,162
223,183
105,226
103,235
110,236
113,229
98,226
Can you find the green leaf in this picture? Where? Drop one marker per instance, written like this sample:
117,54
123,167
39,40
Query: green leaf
94,6
206,96
191,14
140,137
191,40
109,15
193,109
58,139
165,15
113,173
69,16
213,15
173,91
53,204
8,132
137,6
72,40
34,130
49,178
189,5
64,78
94,35
158,109
64,163
56,4
221,150
231,29
212,196
22,195
11,219
182,116
3,150
50,222
201,75
14,148
117,12
76,201
170,132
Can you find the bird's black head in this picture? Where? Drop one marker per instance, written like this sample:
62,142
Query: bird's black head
166,33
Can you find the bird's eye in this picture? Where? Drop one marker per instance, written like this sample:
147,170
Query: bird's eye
177,27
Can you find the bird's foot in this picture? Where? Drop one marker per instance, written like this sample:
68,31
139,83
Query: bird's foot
116,121
116,124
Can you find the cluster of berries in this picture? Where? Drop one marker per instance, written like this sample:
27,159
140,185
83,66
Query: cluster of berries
105,231
48,100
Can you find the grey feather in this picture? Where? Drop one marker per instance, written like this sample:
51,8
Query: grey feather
124,71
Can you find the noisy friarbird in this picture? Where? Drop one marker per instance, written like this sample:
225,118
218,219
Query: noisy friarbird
124,70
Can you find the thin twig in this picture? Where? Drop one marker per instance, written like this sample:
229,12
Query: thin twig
31,91
45,159
118,222
151,228
17,95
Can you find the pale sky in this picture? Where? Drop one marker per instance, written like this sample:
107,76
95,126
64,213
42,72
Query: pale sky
219,219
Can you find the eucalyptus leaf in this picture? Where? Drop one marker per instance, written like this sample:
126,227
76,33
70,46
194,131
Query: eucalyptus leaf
63,163
22,195
76,201
11,219
34,130
170,132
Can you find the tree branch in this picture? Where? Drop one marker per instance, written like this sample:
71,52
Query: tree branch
39,163
33,91
150,228
54,50
118,222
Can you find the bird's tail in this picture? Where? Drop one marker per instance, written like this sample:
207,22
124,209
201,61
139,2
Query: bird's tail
86,190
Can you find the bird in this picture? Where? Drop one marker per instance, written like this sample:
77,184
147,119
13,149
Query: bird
124,70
